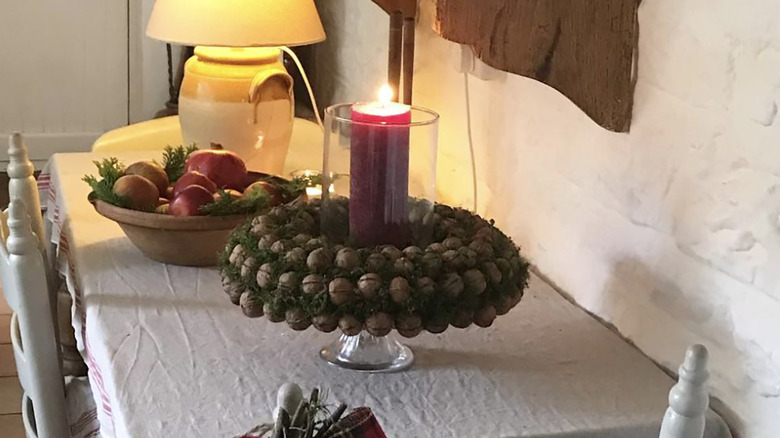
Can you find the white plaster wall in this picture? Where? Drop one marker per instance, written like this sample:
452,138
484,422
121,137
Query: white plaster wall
671,232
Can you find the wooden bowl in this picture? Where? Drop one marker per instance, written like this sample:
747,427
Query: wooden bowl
176,240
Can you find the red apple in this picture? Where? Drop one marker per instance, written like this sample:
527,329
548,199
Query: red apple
274,196
225,168
193,178
189,200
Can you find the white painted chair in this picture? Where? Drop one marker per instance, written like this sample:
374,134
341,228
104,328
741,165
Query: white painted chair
23,272
29,285
688,399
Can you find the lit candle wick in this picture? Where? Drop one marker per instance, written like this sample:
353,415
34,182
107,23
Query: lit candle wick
386,95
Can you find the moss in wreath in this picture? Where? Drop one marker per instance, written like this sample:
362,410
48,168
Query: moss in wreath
470,273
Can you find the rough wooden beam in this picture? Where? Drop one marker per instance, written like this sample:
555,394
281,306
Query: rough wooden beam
583,48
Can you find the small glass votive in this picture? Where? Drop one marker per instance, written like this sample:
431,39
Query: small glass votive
380,159
314,190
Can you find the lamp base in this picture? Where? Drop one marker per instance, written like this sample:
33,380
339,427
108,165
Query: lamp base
241,98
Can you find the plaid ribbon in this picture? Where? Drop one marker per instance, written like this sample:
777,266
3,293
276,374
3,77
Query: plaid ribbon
360,423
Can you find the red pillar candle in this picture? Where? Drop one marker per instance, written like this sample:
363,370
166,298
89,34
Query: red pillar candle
379,173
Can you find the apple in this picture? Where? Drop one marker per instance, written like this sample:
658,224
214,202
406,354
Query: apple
189,200
235,194
274,196
225,168
193,178
152,172
140,193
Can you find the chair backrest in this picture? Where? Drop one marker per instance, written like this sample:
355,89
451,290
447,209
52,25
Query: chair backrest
688,399
22,185
23,273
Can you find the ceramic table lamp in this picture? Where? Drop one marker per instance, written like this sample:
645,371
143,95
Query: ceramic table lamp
236,90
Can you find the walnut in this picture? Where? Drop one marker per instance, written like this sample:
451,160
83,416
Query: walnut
492,273
260,230
280,247
403,266
432,263
297,319
391,252
263,220
379,324
301,239
237,255
436,247
451,284
504,266
453,260
474,281
278,212
272,313
295,256
375,262
485,316
315,243
487,234
235,295
452,243
399,289
503,305
482,248
267,241
413,253
325,322
462,318
319,260
265,276
340,290
347,259
232,288
458,232
350,325
468,255
437,325
248,267
448,224
426,285
313,284
289,282
251,305
369,285
508,252
408,325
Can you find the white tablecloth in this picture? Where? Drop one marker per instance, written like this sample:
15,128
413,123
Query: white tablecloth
170,356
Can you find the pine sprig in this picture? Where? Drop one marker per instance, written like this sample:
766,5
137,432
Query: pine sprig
174,160
109,170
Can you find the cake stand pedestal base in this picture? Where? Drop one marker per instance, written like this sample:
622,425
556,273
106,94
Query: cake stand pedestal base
368,353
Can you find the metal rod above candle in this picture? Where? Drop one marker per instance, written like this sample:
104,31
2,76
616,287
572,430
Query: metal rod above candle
408,59
395,53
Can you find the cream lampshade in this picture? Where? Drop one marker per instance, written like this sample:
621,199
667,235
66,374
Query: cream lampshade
236,91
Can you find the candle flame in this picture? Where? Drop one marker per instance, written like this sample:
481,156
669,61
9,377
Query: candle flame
386,94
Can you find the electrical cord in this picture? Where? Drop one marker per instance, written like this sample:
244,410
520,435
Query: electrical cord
308,85
471,139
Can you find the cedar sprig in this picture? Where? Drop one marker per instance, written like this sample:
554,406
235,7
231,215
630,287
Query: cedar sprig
109,170
175,159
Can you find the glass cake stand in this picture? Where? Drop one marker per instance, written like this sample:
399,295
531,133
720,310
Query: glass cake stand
368,353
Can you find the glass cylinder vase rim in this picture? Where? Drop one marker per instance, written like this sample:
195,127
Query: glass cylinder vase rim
331,112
